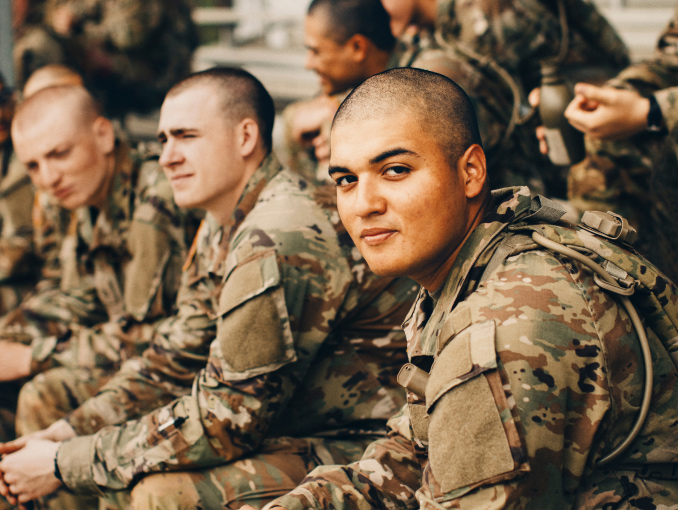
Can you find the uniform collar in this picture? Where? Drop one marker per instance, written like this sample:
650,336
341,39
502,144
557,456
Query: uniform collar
422,324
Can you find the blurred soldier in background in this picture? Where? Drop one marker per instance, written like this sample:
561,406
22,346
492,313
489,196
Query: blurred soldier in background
346,41
129,51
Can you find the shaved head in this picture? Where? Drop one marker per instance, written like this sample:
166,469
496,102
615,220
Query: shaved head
49,76
437,104
73,100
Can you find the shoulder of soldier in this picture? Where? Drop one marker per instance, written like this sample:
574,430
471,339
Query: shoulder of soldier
287,218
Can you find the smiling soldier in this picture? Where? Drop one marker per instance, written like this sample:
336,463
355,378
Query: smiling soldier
526,375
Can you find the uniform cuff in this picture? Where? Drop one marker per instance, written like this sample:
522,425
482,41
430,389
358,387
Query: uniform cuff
75,459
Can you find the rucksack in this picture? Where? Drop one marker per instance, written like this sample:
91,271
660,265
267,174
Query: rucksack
602,242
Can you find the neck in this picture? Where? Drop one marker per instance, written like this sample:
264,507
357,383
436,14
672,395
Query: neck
224,209
433,281
100,198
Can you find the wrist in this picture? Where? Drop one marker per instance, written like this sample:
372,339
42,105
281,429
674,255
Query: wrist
57,471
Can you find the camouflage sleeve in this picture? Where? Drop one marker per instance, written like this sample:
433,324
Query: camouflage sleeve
156,249
387,476
178,351
16,202
281,292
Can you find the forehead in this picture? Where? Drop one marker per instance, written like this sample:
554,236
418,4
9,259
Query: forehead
318,28
55,125
193,107
359,139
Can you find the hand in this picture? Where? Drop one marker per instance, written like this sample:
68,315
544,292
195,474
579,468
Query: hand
607,113
310,116
534,98
15,360
57,431
29,473
63,20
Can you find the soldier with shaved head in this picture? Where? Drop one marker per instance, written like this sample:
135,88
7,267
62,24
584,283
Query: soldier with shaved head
119,260
526,373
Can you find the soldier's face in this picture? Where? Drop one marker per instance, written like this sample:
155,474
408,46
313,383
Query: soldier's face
67,157
402,202
333,62
200,152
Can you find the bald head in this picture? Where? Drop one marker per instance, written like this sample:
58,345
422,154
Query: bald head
74,102
241,96
50,76
437,104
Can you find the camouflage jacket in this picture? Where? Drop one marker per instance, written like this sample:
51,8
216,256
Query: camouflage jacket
16,203
307,343
493,51
148,44
534,376
118,270
637,177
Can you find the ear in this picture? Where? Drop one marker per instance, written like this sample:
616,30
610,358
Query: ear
104,134
247,133
358,46
472,168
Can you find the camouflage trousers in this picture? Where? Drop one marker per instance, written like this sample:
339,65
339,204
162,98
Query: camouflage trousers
638,179
274,470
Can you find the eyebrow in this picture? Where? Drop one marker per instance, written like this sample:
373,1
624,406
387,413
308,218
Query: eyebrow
333,169
175,132
390,153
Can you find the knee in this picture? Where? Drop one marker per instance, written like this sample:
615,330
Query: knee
165,491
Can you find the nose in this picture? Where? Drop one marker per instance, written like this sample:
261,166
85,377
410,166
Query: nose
368,199
49,176
309,61
170,155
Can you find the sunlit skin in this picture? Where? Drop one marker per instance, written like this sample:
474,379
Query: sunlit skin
205,156
336,64
407,208
68,157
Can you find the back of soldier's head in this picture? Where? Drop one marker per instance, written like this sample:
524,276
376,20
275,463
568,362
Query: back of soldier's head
51,75
351,17
241,96
437,104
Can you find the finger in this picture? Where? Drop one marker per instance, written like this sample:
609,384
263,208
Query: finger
534,97
12,446
541,136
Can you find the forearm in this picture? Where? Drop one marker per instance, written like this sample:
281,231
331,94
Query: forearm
387,476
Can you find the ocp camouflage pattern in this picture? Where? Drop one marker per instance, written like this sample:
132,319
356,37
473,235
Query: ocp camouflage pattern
307,343
542,361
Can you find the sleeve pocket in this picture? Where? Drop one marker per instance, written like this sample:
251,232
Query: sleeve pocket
473,439
253,329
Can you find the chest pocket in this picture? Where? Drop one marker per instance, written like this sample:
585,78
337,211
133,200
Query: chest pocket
473,439
253,328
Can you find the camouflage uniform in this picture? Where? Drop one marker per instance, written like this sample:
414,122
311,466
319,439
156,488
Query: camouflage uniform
637,177
479,43
17,261
132,51
117,274
299,369
535,374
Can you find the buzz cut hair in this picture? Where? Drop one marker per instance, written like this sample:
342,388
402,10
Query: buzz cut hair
74,99
242,96
436,103
365,17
